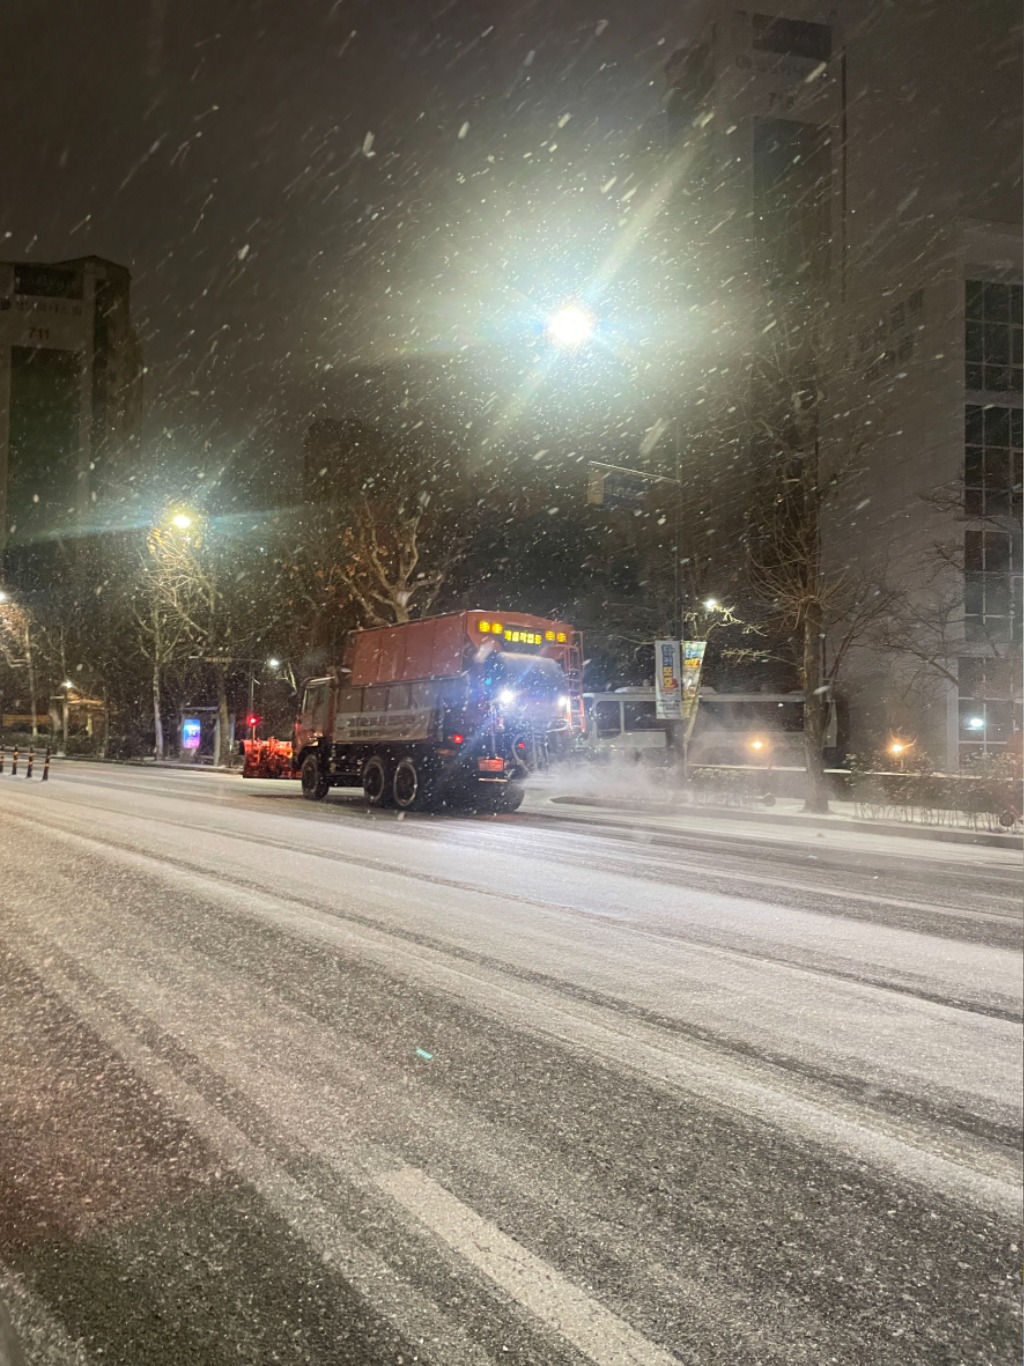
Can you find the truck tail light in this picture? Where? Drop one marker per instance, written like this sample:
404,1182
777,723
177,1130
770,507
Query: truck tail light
457,739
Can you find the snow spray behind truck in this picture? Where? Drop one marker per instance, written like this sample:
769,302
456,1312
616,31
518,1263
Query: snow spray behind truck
448,710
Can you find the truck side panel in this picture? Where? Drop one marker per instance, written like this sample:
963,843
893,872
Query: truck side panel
431,648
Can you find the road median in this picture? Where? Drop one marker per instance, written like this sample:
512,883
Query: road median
668,816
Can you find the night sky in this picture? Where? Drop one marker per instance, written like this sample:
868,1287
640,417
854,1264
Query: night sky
317,194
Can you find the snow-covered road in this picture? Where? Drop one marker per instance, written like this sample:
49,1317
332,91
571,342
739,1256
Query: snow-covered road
302,1083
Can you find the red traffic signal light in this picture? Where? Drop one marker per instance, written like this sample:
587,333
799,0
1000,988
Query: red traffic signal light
252,721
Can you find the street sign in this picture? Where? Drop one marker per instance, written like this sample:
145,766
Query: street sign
693,661
616,488
668,690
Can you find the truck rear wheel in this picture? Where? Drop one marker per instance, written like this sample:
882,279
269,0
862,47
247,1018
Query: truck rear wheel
501,799
377,781
314,784
411,786
511,799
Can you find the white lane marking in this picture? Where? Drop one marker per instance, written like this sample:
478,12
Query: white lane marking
414,1316
601,1335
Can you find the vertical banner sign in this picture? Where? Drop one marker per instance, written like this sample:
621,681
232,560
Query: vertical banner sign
693,661
668,689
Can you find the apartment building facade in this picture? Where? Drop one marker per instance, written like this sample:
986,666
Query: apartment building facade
70,393
859,223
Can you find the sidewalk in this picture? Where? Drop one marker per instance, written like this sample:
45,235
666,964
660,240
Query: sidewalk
664,814
182,765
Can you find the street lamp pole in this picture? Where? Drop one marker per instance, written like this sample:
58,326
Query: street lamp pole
684,725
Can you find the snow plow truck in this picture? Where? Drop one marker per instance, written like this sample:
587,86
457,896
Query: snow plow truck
453,710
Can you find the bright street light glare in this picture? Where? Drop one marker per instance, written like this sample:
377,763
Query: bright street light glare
67,683
506,697
3,596
711,604
571,326
181,520
273,663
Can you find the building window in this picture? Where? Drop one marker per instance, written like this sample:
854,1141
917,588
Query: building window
994,341
992,586
988,716
792,38
993,443
47,282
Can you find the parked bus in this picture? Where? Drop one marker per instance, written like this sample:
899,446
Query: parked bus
730,728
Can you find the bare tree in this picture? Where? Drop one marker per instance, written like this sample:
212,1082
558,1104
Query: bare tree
807,600
207,601
926,628
387,526
17,630
162,631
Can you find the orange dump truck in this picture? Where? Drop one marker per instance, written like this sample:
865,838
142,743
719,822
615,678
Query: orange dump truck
448,710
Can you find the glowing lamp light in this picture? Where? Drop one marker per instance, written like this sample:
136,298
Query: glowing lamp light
273,663
506,697
67,683
181,520
457,739
711,604
975,723
757,744
484,626
252,721
570,326
898,747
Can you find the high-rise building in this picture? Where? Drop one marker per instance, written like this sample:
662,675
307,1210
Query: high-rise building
70,393
853,223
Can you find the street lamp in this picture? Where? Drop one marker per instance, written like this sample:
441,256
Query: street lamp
181,520
273,663
899,749
711,604
570,326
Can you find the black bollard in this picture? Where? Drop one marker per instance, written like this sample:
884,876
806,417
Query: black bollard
31,760
46,766
14,762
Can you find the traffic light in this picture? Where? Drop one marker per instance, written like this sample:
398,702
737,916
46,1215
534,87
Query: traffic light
252,721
